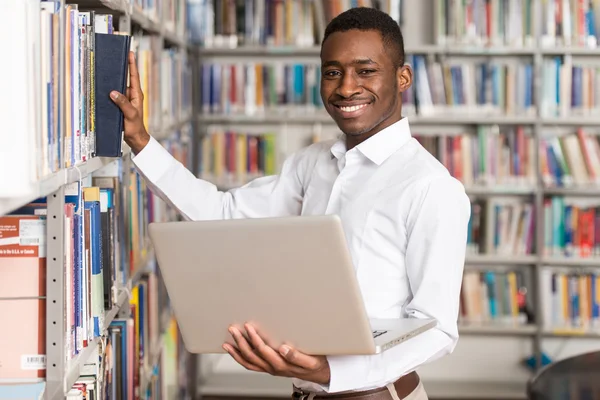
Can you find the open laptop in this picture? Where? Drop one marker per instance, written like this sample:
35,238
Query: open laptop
292,277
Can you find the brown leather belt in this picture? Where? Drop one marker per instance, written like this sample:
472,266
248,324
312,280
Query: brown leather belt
404,386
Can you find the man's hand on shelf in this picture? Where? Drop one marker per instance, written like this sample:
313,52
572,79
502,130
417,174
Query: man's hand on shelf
131,105
254,354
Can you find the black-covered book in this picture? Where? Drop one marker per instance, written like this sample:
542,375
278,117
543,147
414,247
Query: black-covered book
111,69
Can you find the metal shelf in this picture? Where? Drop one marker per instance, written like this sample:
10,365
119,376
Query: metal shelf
322,117
574,191
571,261
142,268
497,329
580,333
138,17
425,49
267,118
441,119
569,121
570,50
514,190
52,182
314,51
485,259
167,131
76,364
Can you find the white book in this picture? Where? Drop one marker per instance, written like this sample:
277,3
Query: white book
20,115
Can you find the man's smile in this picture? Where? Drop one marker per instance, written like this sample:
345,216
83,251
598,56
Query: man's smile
350,110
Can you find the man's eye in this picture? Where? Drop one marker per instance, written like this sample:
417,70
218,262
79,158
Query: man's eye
331,73
367,71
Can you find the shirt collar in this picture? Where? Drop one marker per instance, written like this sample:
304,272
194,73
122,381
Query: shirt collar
380,146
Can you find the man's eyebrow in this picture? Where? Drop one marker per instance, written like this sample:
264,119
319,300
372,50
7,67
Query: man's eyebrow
359,61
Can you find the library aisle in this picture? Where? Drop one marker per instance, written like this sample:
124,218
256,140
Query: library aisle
506,95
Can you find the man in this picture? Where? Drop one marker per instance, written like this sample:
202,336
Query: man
404,216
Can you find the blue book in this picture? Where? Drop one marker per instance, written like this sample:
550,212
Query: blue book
111,69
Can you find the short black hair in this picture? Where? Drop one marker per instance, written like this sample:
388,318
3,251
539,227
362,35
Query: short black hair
371,19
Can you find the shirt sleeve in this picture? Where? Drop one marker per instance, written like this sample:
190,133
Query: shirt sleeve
197,199
435,254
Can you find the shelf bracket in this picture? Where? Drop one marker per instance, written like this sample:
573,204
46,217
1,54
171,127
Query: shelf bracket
56,337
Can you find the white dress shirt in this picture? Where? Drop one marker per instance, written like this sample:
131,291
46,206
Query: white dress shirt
404,216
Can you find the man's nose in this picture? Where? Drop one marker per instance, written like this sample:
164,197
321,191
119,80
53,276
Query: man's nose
349,85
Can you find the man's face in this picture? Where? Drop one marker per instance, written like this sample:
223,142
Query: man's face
360,86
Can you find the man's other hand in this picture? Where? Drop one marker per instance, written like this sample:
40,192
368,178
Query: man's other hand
132,106
254,354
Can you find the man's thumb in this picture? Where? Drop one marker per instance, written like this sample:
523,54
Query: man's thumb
121,101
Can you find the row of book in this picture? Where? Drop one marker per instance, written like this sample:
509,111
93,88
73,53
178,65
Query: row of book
105,240
494,155
138,357
234,157
87,120
570,299
499,225
253,88
57,119
439,88
502,226
569,88
166,81
506,225
496,296
494,87
149,359
503,297
171,14
488,156
478,23
572,227
517,23
505,155
298,23
60,113
571,160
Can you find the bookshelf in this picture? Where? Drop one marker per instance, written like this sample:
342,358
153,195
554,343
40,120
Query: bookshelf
79,279
536,63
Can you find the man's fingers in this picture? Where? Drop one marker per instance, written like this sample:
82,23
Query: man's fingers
266,352
246,351
240,360
134,76
121,101
299,359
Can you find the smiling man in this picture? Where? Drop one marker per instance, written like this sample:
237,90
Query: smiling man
405,218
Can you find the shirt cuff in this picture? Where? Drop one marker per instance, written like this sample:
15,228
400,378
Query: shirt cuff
153,161
347,372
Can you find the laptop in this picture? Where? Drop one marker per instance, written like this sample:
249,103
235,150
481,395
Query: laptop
291,277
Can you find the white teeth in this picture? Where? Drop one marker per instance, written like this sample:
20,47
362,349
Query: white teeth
352,108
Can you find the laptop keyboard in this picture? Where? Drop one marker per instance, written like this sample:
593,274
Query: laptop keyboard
378,333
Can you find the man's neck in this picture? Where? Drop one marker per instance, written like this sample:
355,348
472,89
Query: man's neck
353,141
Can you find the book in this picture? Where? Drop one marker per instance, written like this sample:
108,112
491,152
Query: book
111,71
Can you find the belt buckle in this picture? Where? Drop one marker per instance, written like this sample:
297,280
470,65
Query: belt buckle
300,395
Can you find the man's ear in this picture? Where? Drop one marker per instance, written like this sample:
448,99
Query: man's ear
404,76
